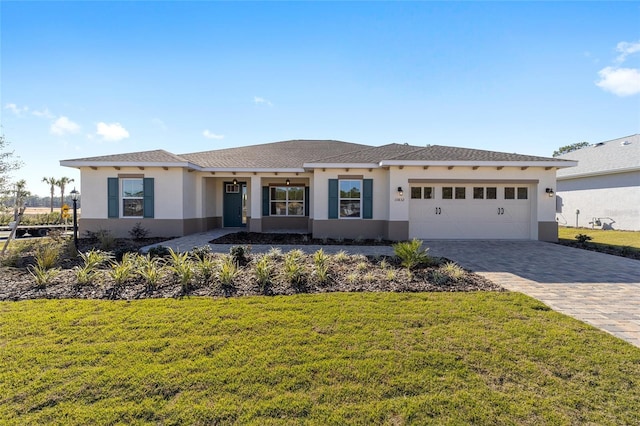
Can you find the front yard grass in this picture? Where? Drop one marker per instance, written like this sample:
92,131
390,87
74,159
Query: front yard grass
621,243
340,358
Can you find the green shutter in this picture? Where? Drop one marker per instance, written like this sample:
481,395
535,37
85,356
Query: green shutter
265,201
333,198
112,198
367,198
306,201
147,187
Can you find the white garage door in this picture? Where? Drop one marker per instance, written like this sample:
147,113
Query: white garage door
470,211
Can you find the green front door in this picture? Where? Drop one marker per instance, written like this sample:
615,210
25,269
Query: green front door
234,204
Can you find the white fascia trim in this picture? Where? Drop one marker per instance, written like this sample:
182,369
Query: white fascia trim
598,173
251,170
558,164
341,165
78,164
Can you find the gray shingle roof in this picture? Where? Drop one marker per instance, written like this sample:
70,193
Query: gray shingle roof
155,156
450,153
611,156
275,155
369,155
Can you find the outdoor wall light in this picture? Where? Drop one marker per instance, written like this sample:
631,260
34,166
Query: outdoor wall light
400,191
287,182
235,181
550,192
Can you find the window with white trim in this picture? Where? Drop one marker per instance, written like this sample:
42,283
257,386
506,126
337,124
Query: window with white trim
286,200
350,198
132,198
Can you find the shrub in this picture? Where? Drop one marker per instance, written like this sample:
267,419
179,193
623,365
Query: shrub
438,277
294,269
47,255
321,274
182,268
583,238
239,255
201,252
123,271
264,272
341,256
43,276
150,269
391,275
320,258
227,272
452,270
159,251
411,253
362,266
106,239
92,259
206,267
138,232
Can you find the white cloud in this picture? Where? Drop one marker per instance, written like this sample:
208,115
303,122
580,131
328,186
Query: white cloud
111,132
261,101
16,109
620,81
63,126
207,134
45,113
625,48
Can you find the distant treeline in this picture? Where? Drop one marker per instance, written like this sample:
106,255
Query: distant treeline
36,201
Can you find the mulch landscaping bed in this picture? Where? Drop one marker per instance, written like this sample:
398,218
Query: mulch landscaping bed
628,252
246,238
347,273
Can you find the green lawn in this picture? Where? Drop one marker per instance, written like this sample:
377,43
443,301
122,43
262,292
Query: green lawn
339,358
609,237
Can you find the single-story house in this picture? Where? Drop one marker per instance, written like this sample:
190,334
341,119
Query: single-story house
603,191
328,188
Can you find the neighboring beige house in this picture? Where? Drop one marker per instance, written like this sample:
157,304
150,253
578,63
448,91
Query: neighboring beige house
328,188
603,191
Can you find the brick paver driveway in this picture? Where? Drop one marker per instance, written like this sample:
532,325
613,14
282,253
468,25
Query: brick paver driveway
599,289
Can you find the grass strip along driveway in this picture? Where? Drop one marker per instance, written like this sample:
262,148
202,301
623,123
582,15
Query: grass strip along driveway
341,358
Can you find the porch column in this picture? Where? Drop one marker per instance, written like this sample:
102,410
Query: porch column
255,194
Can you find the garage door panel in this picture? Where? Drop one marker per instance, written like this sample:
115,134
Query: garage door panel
470,218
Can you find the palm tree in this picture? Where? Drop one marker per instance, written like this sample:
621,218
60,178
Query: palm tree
62,183
53,182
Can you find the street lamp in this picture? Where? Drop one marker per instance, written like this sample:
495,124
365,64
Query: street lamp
74,197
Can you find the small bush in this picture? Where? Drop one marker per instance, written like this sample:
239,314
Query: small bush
411,253
159,251
294,269
201,252
583,238
263,272
106,239
43,276
150,269
341,256
47,255
123,271
239,255
139,232
362,266
205,267
320,258
452,270
182,268
227,272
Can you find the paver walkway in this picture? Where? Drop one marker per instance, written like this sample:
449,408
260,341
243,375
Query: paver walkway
599,289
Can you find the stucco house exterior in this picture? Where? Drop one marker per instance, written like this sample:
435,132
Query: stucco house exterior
603,191
328,188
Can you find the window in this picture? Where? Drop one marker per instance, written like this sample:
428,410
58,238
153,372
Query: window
428,193
461,192
232,188
492,193
523,193
286,201
447,193
478,193
132,198
416,192
350,199
509,193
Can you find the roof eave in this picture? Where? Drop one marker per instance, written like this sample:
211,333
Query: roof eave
341,165
557,164
598,173
254,169
79,164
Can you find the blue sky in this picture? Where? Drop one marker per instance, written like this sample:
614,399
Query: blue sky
82,79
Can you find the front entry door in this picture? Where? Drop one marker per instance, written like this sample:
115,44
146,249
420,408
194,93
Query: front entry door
233,204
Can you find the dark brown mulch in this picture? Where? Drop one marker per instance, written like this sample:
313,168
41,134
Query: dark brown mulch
352,273
243,238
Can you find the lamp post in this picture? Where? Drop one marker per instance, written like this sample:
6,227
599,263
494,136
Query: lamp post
74,196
